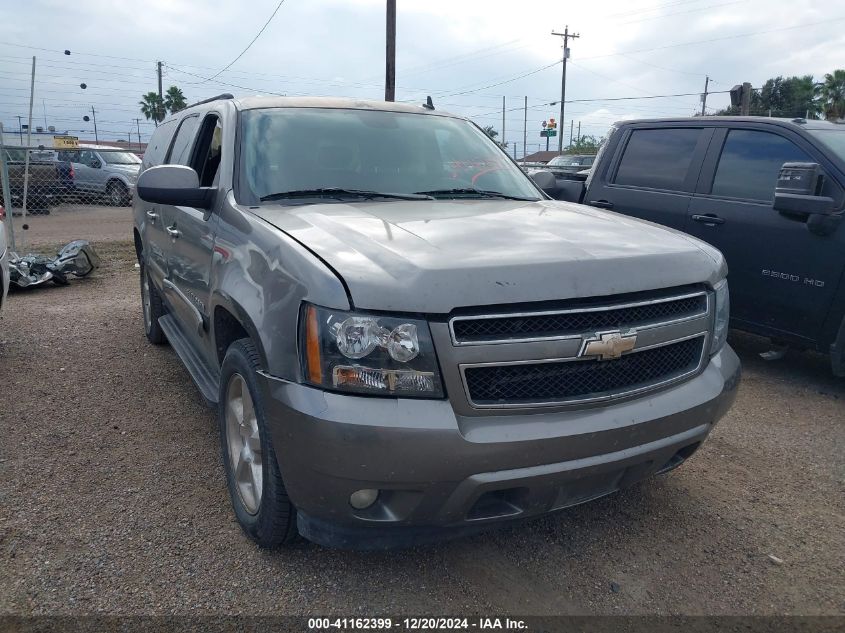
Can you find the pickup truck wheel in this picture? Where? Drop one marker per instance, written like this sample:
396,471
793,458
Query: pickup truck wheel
118,194
258,494
153,309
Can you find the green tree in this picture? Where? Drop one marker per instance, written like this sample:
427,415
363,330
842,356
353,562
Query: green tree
780,96
587,144
174,100
832,95
152,107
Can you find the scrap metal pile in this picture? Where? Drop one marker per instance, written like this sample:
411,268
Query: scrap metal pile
77,259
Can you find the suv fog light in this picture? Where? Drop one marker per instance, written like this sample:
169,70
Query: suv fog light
362,499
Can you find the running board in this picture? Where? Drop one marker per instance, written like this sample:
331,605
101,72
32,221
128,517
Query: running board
206,378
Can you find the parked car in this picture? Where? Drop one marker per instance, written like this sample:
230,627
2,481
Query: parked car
50,180
568,165
399,350
103,170
4,259
717,179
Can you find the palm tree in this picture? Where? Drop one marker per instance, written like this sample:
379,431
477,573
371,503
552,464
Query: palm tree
174,100
490,131
832,93
152,107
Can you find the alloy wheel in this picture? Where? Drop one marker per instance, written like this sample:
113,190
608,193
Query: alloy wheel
244,443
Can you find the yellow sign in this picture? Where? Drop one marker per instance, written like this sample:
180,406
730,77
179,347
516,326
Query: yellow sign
66,142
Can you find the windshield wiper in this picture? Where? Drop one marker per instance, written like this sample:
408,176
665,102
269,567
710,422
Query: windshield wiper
338,192
472,191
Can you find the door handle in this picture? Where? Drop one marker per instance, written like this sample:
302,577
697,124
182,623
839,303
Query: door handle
601,204
173,232
709,219
152,215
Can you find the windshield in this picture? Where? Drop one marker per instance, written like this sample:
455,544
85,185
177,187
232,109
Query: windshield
304,149
834,140
120,158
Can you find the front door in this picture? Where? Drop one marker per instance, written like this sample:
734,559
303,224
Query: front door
782,276
87,172
190,258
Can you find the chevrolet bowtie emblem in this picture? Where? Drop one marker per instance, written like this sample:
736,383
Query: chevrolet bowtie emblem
608,345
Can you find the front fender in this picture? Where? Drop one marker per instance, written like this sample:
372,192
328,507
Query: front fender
262,276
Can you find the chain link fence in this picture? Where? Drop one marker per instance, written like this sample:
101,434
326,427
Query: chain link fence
42,181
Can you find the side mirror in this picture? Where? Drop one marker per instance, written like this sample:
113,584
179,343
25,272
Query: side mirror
175,185
545,180
799,189
95,164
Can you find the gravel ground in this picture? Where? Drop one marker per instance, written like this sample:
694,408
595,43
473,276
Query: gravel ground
113,498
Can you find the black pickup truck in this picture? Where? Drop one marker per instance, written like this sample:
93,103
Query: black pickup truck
769,193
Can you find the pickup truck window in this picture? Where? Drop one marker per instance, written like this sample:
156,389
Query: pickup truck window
658,159
750,163
306,149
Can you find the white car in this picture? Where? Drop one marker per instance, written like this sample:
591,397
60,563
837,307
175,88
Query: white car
4,259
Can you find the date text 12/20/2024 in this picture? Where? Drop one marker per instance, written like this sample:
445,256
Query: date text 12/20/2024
417,624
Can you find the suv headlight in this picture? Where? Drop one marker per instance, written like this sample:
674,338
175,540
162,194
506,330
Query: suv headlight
370,354
722,316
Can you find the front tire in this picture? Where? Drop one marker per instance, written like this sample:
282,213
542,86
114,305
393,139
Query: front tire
152,308
259,499
118,194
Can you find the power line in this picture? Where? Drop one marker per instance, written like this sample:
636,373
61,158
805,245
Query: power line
696,9
717,39
257,35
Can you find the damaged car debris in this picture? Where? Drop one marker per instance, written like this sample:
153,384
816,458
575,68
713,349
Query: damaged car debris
77,258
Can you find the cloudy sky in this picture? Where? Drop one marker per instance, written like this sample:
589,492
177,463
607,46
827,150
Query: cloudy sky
466,54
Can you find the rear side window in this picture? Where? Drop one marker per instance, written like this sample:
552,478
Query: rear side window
750,163
180,153
658,159
160,141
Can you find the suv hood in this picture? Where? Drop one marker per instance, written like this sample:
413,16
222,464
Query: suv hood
432,257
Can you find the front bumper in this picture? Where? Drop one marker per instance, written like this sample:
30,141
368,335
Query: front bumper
443,474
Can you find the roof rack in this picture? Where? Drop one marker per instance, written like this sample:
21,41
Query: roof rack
225,95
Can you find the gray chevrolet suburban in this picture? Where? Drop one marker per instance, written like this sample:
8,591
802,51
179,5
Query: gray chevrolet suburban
404,337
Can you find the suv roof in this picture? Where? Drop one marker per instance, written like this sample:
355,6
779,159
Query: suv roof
799,123
251,103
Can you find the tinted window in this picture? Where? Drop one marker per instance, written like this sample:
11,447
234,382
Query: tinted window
180,153
658,158
157,147
750,163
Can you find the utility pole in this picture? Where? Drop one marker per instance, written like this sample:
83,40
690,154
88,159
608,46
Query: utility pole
745,106
525,130
503,121
28,145
704,96
94,115
578,142
571,129
390,65
565,35
20,128
138,127
160,96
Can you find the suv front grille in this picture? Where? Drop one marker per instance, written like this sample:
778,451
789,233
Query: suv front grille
511,328
521,384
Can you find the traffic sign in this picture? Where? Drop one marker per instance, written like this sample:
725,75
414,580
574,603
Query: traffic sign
548,133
